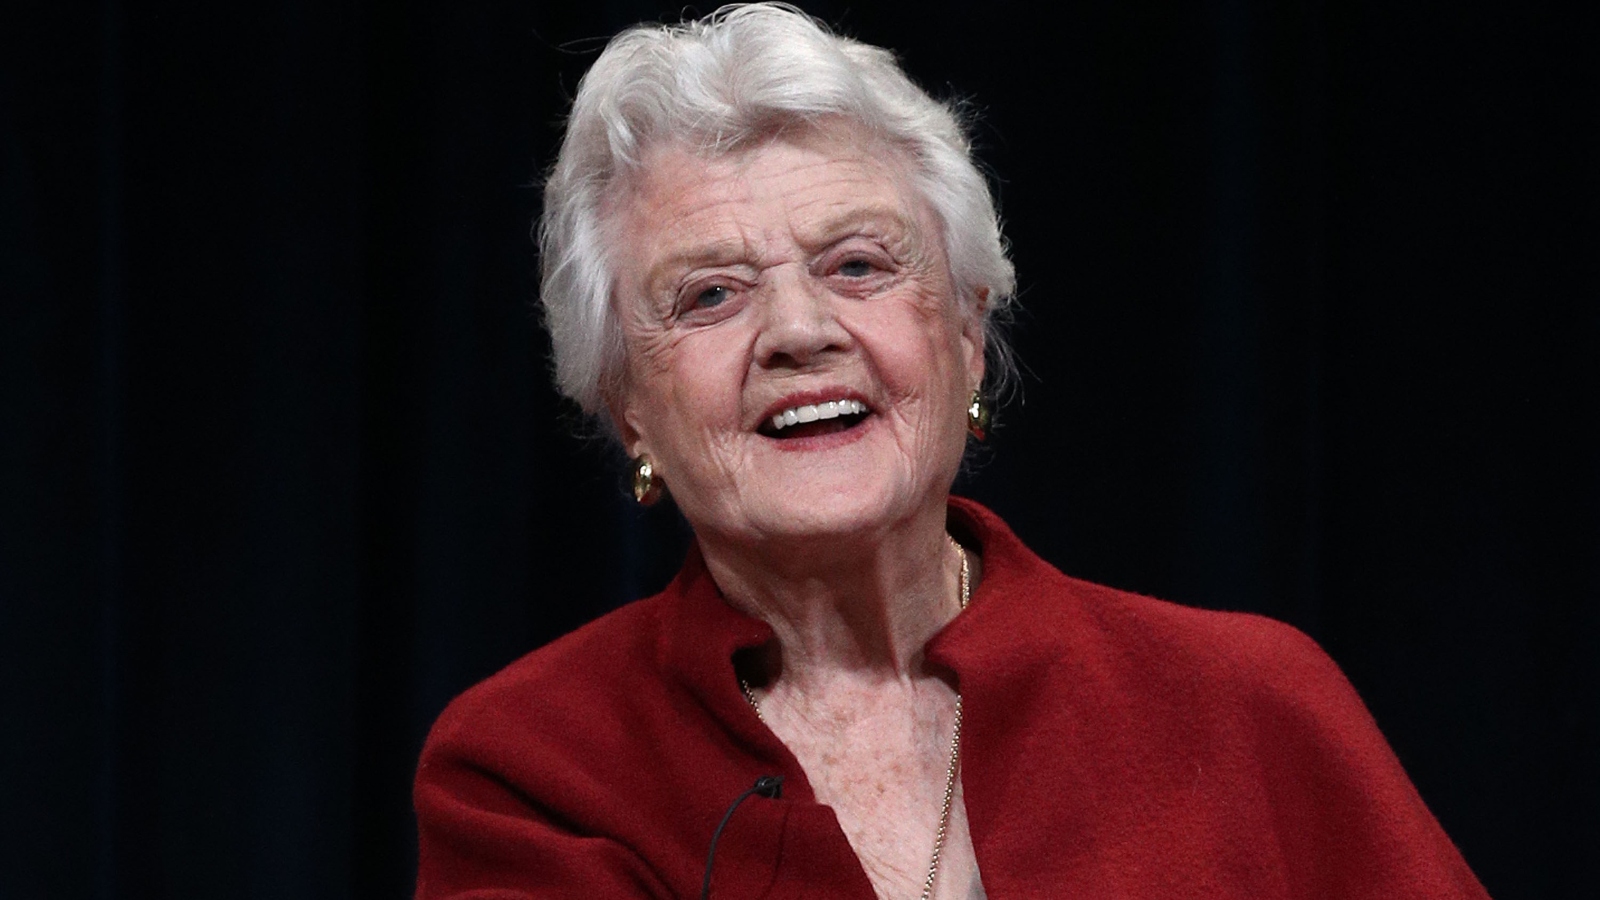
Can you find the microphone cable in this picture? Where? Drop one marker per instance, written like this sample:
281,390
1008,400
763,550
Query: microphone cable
769,786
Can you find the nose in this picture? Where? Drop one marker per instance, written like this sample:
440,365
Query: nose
799,323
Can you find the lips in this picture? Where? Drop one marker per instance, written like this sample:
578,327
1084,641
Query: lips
807,417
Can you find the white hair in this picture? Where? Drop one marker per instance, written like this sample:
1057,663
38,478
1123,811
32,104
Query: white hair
716,84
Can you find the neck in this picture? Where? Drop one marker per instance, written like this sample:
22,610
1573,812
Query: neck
856,607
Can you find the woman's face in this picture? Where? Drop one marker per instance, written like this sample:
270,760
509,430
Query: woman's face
802,278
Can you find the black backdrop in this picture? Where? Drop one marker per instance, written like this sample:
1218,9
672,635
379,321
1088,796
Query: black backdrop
1311,323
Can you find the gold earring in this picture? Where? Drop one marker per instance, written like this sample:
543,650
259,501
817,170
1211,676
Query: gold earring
646,489
979,416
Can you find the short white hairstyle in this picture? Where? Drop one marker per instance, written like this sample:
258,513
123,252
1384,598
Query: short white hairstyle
717,84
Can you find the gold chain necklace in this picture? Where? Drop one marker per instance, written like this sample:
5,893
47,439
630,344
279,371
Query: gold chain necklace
955,741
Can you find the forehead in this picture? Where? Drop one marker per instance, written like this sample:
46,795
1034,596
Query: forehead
805,181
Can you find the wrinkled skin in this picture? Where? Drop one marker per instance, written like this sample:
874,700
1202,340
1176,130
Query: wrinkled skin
804,264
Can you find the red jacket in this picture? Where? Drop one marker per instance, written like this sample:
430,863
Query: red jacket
1113,746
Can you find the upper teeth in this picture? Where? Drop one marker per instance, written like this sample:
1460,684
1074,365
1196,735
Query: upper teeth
833,409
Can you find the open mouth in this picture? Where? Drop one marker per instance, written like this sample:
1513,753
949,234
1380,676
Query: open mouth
816,419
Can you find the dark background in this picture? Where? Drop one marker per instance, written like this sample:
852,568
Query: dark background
1311,323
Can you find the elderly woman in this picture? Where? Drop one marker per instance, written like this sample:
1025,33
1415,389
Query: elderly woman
771,266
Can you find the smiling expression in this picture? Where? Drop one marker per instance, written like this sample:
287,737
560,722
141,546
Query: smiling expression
797,363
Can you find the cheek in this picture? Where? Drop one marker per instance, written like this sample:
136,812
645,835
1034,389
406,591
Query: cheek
917,349
685,384
650,351
649,356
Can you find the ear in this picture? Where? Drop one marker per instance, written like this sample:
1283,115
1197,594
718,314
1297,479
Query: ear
972,337
624,421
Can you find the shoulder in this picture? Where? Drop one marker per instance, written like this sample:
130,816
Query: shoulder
565,688
1222,646
522,771
526,761
1132,642
1244,718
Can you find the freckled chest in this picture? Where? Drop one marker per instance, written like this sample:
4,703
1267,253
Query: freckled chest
883,773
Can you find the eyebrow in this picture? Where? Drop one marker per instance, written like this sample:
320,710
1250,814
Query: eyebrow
858,220
891,222
716,253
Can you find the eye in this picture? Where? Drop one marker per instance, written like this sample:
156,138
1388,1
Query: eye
856,268
716,295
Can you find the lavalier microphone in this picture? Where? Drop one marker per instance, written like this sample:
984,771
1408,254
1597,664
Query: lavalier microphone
768,786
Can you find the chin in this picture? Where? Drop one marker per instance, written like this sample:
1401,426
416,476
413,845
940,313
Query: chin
851,509
844,486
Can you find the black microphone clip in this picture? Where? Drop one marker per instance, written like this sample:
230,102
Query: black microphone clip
768,786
